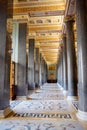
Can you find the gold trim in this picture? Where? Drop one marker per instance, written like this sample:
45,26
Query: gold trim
40,8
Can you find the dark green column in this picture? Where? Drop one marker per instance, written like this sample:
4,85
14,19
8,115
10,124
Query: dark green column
31,81
21,84
5,60
81,21
37,67
71,60
65,85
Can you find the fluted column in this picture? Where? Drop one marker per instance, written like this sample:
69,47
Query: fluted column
71,60
81,21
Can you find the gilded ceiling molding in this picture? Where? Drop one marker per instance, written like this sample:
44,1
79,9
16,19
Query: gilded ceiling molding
38,3
40,8
37,28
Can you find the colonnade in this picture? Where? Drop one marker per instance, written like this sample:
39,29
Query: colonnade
34,74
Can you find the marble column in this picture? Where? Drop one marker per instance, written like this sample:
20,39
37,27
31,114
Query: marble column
5,60
60,68
65,86
71,60
21,85
59,71
37,68
45,75
40,71
31,81
81,21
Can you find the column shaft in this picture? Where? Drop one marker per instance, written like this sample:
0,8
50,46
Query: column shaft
81,21
37,68
40,71
21,64
31,81
5,60
71,60
64,64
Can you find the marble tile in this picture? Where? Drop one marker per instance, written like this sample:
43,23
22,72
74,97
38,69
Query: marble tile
14,103
43,106
40,125
47,96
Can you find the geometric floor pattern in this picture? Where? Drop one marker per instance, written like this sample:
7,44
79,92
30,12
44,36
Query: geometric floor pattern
44,115
43,106
47,96
40,125
14,103
45,109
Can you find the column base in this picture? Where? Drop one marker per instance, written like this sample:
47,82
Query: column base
31,86
72,98
65,92
82,115
21,97
4,113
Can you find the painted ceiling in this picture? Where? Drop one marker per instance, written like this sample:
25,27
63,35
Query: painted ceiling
45,19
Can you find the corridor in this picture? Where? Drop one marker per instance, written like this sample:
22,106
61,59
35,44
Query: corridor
46,108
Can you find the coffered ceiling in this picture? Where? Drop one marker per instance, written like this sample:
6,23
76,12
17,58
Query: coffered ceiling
45,24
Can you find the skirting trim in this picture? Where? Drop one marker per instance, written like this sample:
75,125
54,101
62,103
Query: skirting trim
82,115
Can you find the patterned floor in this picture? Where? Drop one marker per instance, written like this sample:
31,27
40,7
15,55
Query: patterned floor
48,110
40,125
44,96
43,106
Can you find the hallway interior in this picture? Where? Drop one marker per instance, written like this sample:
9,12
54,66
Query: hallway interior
46,108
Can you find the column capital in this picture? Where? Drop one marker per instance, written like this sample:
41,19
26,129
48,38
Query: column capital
63,35
69,18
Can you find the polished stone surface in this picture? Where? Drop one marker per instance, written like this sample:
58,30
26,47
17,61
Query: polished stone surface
81,22
43,114
43,106
71,59
21,89
40,125
5,57
31,75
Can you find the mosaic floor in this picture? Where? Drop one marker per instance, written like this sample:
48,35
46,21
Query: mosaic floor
48,96
40,125
48,110
43,106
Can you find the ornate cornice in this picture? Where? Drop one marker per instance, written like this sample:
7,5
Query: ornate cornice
40,8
